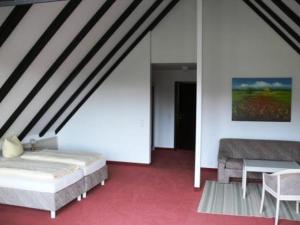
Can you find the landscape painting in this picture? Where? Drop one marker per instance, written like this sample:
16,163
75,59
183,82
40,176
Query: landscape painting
261,99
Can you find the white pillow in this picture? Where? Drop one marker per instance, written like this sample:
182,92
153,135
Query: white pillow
12,147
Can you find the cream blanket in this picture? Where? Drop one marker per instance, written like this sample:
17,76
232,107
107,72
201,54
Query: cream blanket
76,158
35,169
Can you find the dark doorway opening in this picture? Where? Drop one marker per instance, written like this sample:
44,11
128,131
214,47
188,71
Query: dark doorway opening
185,115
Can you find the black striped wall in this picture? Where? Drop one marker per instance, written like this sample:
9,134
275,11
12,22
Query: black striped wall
280,21
79,67
58,62
289,12
280,30
42,42
37,48
100,66
24,2
114,66
12,21
258,6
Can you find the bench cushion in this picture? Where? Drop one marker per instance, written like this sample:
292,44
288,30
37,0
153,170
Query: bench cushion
259,149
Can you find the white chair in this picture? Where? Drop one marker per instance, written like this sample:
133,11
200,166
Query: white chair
284,186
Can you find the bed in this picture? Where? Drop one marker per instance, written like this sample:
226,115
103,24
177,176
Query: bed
34,184
93,165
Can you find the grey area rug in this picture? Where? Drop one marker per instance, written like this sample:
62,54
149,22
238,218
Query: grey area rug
227,199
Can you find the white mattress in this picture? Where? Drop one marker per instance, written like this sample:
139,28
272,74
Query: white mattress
91,168
20,174
88,162
30,184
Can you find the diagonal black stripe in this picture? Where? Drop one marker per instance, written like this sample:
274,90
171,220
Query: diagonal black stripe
279,20
23,2
37,48
298,1
80,66
273,26
58,62
290,13
122,57
100,66
12,21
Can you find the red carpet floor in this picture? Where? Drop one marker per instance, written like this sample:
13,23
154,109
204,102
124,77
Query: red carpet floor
159,194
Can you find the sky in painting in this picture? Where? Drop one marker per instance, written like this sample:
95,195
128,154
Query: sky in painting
261,83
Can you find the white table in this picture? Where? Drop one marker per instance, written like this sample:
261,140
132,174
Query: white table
264,166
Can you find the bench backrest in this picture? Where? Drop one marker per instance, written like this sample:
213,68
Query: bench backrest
259,149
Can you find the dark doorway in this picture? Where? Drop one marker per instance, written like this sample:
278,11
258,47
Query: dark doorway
185,115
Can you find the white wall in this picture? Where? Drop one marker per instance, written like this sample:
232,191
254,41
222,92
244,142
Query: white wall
174,39
115,120
164,99
237,43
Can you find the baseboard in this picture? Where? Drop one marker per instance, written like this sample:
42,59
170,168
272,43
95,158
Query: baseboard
209,170
127,163
163,148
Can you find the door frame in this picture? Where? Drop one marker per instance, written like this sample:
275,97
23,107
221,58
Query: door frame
175,107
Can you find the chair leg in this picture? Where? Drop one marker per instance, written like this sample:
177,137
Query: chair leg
277,211
262,200
297,207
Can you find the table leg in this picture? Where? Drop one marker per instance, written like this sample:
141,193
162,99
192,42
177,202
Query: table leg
244,182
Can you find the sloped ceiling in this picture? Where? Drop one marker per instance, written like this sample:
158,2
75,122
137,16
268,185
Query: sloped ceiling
54,55
23,2
283,16
58,52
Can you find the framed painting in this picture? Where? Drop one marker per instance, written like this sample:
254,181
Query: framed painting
261,99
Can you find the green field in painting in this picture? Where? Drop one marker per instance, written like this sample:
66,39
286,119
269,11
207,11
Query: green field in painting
261,105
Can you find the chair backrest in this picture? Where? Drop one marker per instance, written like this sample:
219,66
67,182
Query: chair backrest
260,149
289,182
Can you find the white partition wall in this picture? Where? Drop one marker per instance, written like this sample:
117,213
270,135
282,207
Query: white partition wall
197,176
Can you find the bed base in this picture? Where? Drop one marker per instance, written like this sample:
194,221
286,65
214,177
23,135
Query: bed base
53,201
42,200
93,179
